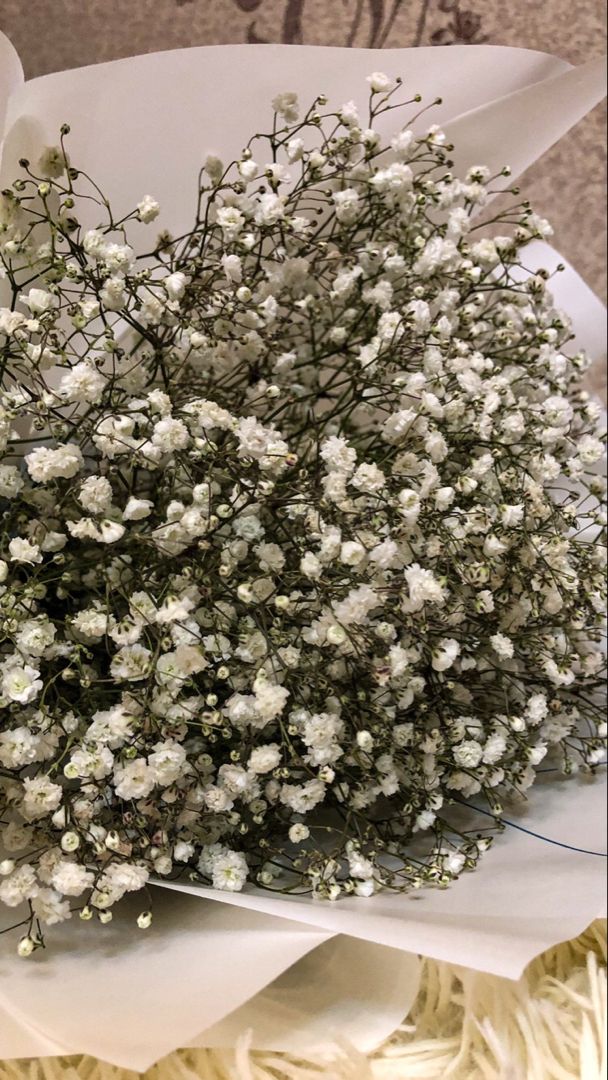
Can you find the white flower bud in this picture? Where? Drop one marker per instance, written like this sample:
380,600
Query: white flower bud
365,740
26,946
70,841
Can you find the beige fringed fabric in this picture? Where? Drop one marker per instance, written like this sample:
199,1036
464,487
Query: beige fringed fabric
464,1026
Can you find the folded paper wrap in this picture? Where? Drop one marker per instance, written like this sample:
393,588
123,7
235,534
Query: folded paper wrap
299,973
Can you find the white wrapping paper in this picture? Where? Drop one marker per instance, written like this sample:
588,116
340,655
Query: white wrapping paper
518,902
295,971
11,75
130,997
150,120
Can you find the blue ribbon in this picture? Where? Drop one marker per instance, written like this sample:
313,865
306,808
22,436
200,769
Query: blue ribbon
537,836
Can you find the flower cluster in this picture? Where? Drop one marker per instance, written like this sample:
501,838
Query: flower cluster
301,523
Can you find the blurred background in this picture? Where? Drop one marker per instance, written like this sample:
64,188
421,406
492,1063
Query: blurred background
567,185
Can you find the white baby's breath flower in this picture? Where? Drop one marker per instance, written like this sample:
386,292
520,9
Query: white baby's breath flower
71,879
265,758
11,481
40,796
134,780
175,285
45,464
137,509
503,646
95,494
19,886
170,434
468,754
24,551
83,383
424,588
39,301
148,209
445,654
231,221
380,83
21,683
11,321
131,663
512,516
286,105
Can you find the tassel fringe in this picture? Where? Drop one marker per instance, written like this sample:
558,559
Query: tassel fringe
464,1026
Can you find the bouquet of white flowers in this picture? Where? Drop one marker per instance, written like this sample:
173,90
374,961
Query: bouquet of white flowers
303,533
297,557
